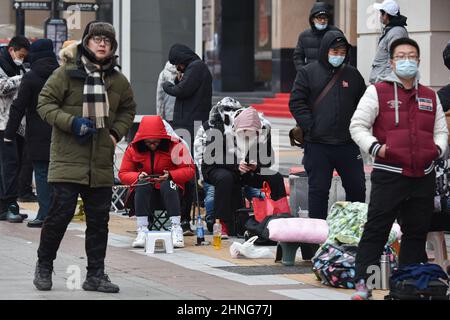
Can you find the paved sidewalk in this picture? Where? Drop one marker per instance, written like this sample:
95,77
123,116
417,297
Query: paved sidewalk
192,273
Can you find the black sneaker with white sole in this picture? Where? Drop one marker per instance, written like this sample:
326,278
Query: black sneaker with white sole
186,226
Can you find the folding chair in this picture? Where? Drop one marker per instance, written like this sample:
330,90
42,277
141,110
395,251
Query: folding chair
119,193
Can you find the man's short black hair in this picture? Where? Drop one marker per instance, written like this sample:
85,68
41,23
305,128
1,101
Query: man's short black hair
403,41
19,42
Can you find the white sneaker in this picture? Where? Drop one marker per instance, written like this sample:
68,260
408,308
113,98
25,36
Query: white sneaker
141,238
177,236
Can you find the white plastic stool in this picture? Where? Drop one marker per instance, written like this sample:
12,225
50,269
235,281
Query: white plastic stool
153,236
439,252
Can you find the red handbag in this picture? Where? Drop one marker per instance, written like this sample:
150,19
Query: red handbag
267,207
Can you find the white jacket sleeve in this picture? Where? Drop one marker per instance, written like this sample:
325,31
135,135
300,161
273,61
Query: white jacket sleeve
363,120
199,149
160,97
9,84
440,129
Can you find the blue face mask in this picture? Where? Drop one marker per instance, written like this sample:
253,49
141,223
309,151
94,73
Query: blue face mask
406,69
320,27
336,61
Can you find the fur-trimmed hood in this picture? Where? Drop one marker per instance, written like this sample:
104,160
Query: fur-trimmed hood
69,53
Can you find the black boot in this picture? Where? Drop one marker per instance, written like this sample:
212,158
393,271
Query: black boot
36,223
43,277
100,283
210,221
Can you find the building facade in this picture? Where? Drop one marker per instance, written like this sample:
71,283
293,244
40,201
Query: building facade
248,45
428,24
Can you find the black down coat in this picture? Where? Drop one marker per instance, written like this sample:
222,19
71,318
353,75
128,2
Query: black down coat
329,122
308,44
38,133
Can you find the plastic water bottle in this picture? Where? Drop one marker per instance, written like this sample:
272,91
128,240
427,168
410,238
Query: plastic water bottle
217,235
200,231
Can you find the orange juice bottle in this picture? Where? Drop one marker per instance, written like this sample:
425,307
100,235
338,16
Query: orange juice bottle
217,235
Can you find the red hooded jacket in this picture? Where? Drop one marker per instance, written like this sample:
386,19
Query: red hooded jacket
172,155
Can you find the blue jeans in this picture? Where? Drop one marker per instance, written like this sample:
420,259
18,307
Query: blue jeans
43,188
209,200
249,192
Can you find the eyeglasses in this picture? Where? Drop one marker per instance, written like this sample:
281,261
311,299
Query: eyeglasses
404,57
99,39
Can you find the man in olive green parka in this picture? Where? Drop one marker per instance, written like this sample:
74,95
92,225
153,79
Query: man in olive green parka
90,105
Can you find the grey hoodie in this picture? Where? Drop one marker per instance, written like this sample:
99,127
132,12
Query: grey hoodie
165,103
381,63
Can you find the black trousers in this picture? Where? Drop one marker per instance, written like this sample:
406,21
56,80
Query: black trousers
320,162
411,202
147,199
440,221
187,199
10,159
228,193
26,171
97,203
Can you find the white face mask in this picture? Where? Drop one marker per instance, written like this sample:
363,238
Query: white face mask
245,144
18,61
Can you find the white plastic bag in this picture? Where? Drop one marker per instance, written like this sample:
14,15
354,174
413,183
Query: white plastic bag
248,250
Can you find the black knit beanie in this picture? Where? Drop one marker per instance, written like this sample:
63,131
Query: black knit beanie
42,48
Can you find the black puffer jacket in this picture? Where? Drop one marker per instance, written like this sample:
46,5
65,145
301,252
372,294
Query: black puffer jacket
38,133
329,122
444,96
193,92
308,45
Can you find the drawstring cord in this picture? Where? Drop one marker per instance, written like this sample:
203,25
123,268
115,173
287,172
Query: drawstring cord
397,117
397,120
